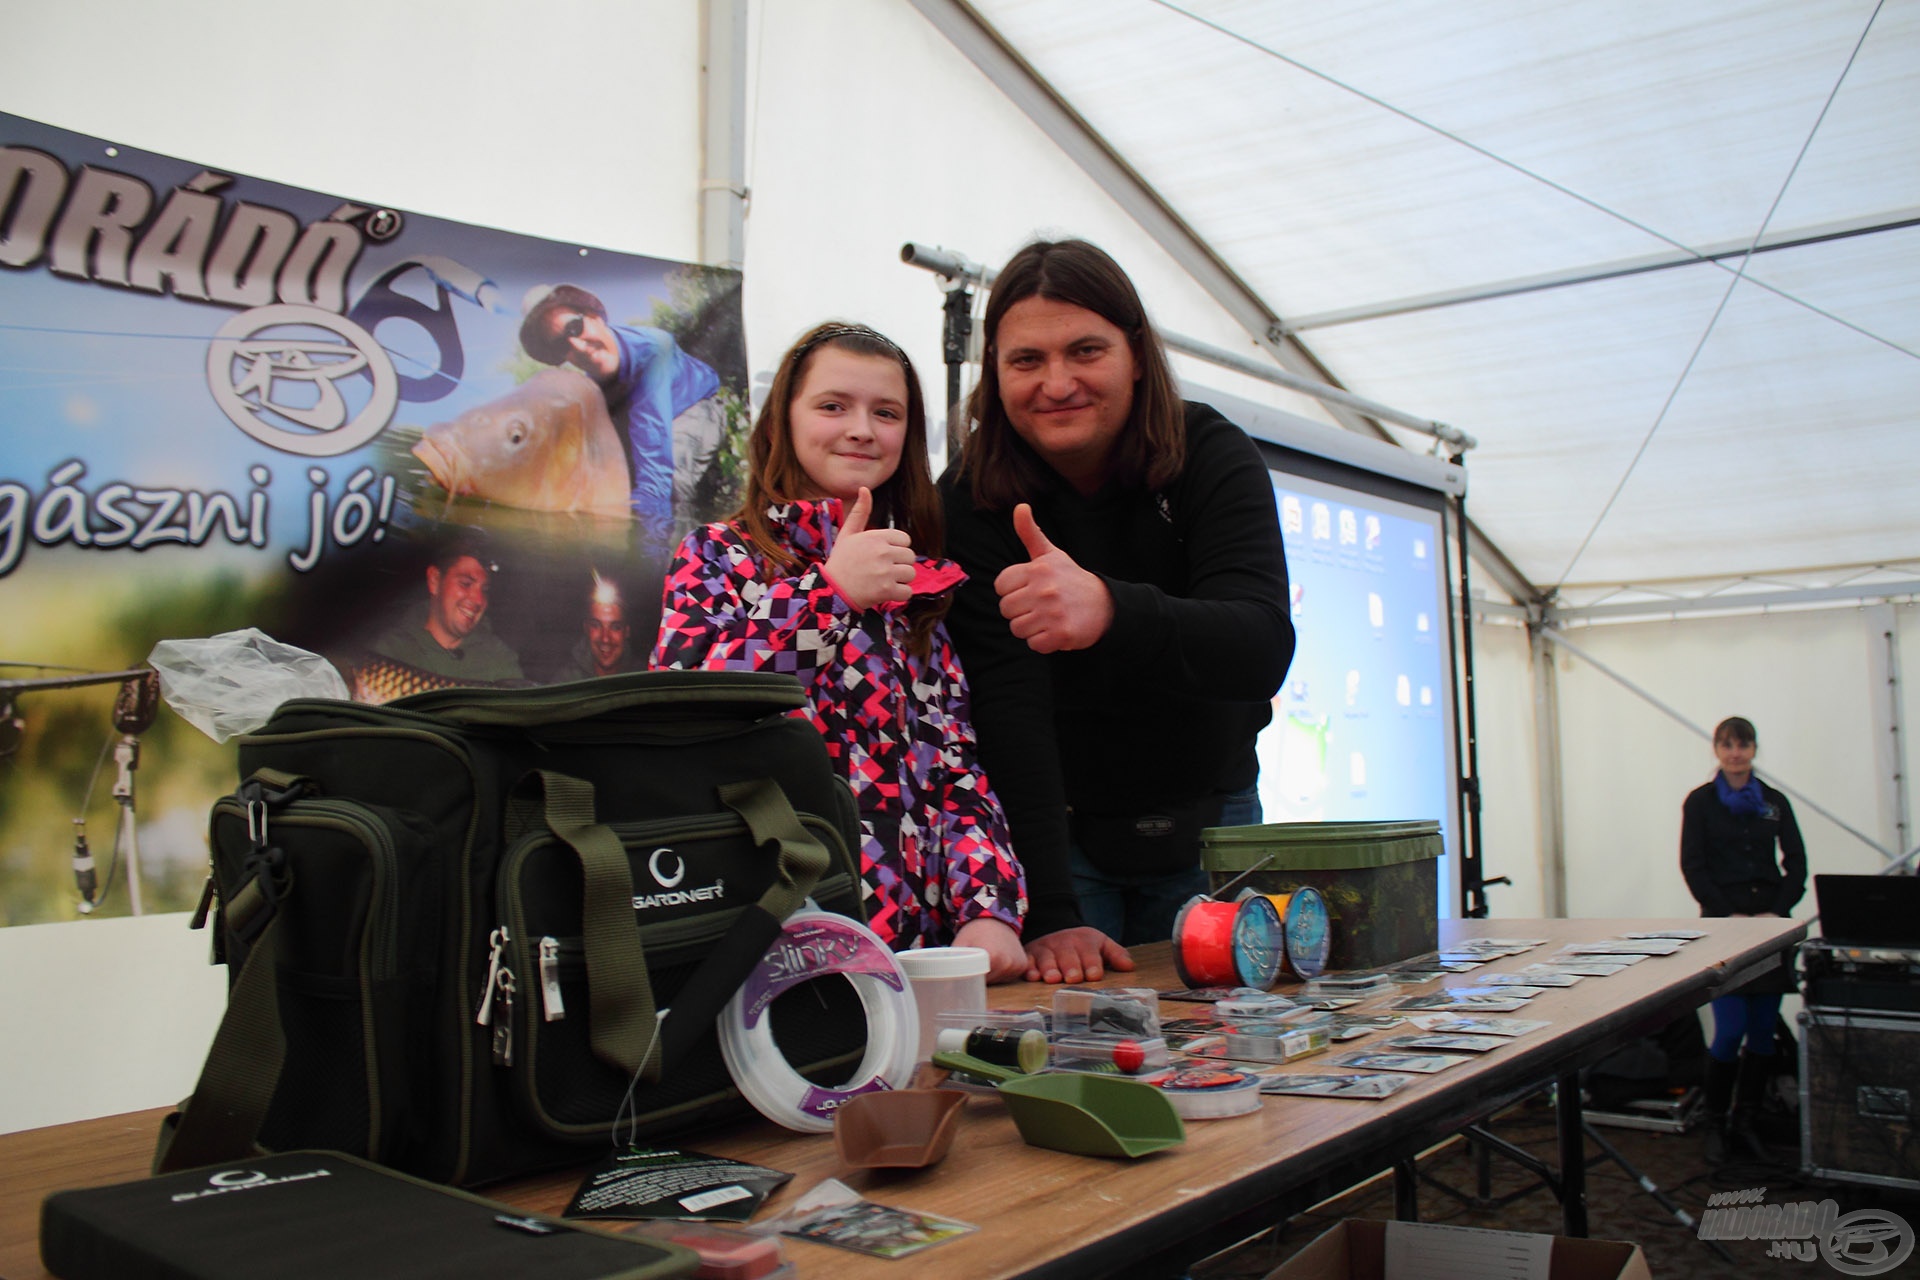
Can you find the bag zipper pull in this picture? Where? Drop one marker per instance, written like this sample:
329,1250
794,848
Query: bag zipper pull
503,1021
550,1002
498,941
206,904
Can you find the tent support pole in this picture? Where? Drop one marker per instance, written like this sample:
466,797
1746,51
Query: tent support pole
723,125
1473,881
1546,737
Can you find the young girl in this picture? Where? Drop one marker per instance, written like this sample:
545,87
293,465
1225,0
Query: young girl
829,572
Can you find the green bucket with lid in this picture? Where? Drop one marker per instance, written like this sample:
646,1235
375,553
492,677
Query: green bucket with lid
1380,880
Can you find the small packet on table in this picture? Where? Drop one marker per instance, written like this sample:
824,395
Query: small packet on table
834,1213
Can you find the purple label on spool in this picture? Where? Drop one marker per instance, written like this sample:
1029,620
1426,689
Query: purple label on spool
824,1102
811,949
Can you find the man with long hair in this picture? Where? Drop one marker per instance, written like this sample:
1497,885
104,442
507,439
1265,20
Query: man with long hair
1124,625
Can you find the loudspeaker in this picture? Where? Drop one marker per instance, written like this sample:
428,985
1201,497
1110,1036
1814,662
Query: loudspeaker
1859,1090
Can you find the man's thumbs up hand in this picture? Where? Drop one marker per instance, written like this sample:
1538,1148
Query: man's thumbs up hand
1051,602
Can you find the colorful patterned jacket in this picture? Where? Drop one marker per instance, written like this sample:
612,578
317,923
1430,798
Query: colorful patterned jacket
935,853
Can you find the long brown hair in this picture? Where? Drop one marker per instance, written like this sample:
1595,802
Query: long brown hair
1152,448
907,498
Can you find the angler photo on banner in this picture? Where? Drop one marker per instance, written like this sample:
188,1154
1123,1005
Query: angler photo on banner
433,454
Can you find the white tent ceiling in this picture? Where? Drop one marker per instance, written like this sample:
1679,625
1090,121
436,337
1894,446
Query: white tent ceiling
1504,215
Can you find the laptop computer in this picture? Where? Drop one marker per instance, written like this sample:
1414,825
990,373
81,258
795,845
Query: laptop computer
1869,911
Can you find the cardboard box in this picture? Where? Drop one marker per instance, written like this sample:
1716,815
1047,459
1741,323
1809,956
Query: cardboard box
1380,880
1356,1249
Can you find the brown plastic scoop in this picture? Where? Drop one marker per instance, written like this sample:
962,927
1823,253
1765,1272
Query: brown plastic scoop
898,1128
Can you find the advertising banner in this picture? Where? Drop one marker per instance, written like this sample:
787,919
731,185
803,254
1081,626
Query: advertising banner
428,452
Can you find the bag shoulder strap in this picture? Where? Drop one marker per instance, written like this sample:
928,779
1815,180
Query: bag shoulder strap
222,1120
801,861
620,995
628,1031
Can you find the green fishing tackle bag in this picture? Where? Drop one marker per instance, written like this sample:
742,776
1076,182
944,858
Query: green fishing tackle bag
477,932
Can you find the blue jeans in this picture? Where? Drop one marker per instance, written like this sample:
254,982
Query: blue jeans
1136,909
1749,1018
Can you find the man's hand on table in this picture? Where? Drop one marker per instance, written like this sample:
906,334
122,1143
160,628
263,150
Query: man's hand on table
1081,954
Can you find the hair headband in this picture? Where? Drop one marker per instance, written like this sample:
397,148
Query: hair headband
832,331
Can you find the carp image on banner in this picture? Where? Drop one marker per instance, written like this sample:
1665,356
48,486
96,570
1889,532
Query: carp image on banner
547,445
380,680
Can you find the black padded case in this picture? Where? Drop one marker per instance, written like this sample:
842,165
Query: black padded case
320,1215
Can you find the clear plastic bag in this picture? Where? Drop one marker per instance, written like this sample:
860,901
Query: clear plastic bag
231,683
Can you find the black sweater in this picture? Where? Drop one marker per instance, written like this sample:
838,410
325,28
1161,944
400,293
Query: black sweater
1163,710
1728,858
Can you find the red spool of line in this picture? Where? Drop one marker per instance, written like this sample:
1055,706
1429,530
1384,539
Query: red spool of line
1203,943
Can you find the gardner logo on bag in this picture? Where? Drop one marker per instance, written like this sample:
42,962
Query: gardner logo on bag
668,869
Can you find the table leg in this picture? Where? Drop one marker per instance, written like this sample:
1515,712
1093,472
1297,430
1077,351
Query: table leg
1573,1154
1406,1191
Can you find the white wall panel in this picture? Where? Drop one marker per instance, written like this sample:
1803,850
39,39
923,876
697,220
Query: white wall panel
577,120
1800,677
1510,835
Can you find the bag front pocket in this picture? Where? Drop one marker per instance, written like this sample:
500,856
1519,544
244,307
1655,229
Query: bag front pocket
691,877
351,975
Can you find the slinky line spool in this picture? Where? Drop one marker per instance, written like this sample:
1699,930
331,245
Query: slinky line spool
814,944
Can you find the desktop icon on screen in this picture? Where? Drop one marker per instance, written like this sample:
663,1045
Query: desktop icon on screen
1376,609
1373,533
1322,522
1403,691
1349,528
1289,514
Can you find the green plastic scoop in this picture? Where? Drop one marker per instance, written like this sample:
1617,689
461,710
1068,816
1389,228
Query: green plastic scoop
1088,1115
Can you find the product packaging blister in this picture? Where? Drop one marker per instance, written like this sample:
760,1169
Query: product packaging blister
1123,1055
1006,1037
1120,1011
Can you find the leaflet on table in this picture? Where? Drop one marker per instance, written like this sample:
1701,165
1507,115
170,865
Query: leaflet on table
1454,1025
1421,1063
1682,935
1624,947
1538,976
1373,1085
1351,1026
1436,1043
1446,1000
667,1182
1450,960
1506,991
1585,968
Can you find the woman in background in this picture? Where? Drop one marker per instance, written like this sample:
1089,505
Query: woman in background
1741,854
